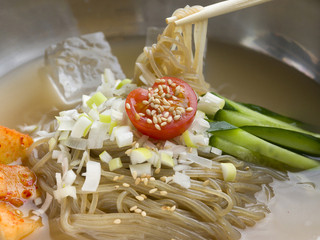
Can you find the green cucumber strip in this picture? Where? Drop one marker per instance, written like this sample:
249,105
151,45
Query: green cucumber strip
265,120
245,154
275,115
255,144
297,141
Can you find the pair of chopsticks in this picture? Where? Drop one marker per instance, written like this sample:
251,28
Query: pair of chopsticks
216,10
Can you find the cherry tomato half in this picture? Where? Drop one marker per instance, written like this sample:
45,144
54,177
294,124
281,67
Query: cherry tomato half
164,111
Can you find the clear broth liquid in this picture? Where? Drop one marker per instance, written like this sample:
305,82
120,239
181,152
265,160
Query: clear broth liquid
26,96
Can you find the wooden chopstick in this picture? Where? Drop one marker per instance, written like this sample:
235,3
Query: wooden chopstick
216,10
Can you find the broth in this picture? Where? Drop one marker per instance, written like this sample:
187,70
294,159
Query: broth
26,96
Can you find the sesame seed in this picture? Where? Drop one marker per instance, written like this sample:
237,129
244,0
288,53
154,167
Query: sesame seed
163,124
160,87
155,119
189,109
144,196
121,177
170,101
159,119
163,80
145,102
157,127
178,112
137,181
138,210
163,193
153,112
157,101
173,84
163,95
164,119
165,102
137,116
161,108
142,114
133,208
148,112
136,145
149,95
174,98
169,81
171,109
152,179
156,106
128,106
117,221
168,95
134,174
173,208
149,89
115,178
149,120
116,186
145,181
166,114
143,213
153,190
168,89
163,178
169,119
177,117
158,80
156,90
126,184
140,198
157,171
181,109
128,152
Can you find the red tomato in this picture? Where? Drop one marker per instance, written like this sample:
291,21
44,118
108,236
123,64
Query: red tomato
164,111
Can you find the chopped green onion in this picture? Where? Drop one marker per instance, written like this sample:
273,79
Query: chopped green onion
140,155
113,124
123,82
229,172
114,164
188,139
105,157
81,127
52,143
105,118
166,158
97,99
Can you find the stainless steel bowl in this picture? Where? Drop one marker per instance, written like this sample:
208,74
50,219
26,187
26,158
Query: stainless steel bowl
288,30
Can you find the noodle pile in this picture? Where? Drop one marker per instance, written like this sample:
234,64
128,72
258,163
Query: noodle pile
210,209
153,207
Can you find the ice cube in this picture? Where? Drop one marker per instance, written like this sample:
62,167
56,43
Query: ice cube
75,65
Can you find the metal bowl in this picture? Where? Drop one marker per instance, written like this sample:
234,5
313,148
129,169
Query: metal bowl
288,30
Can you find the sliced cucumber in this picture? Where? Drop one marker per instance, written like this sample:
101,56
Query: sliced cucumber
300,142
275,115
264,120
245,154
256,144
